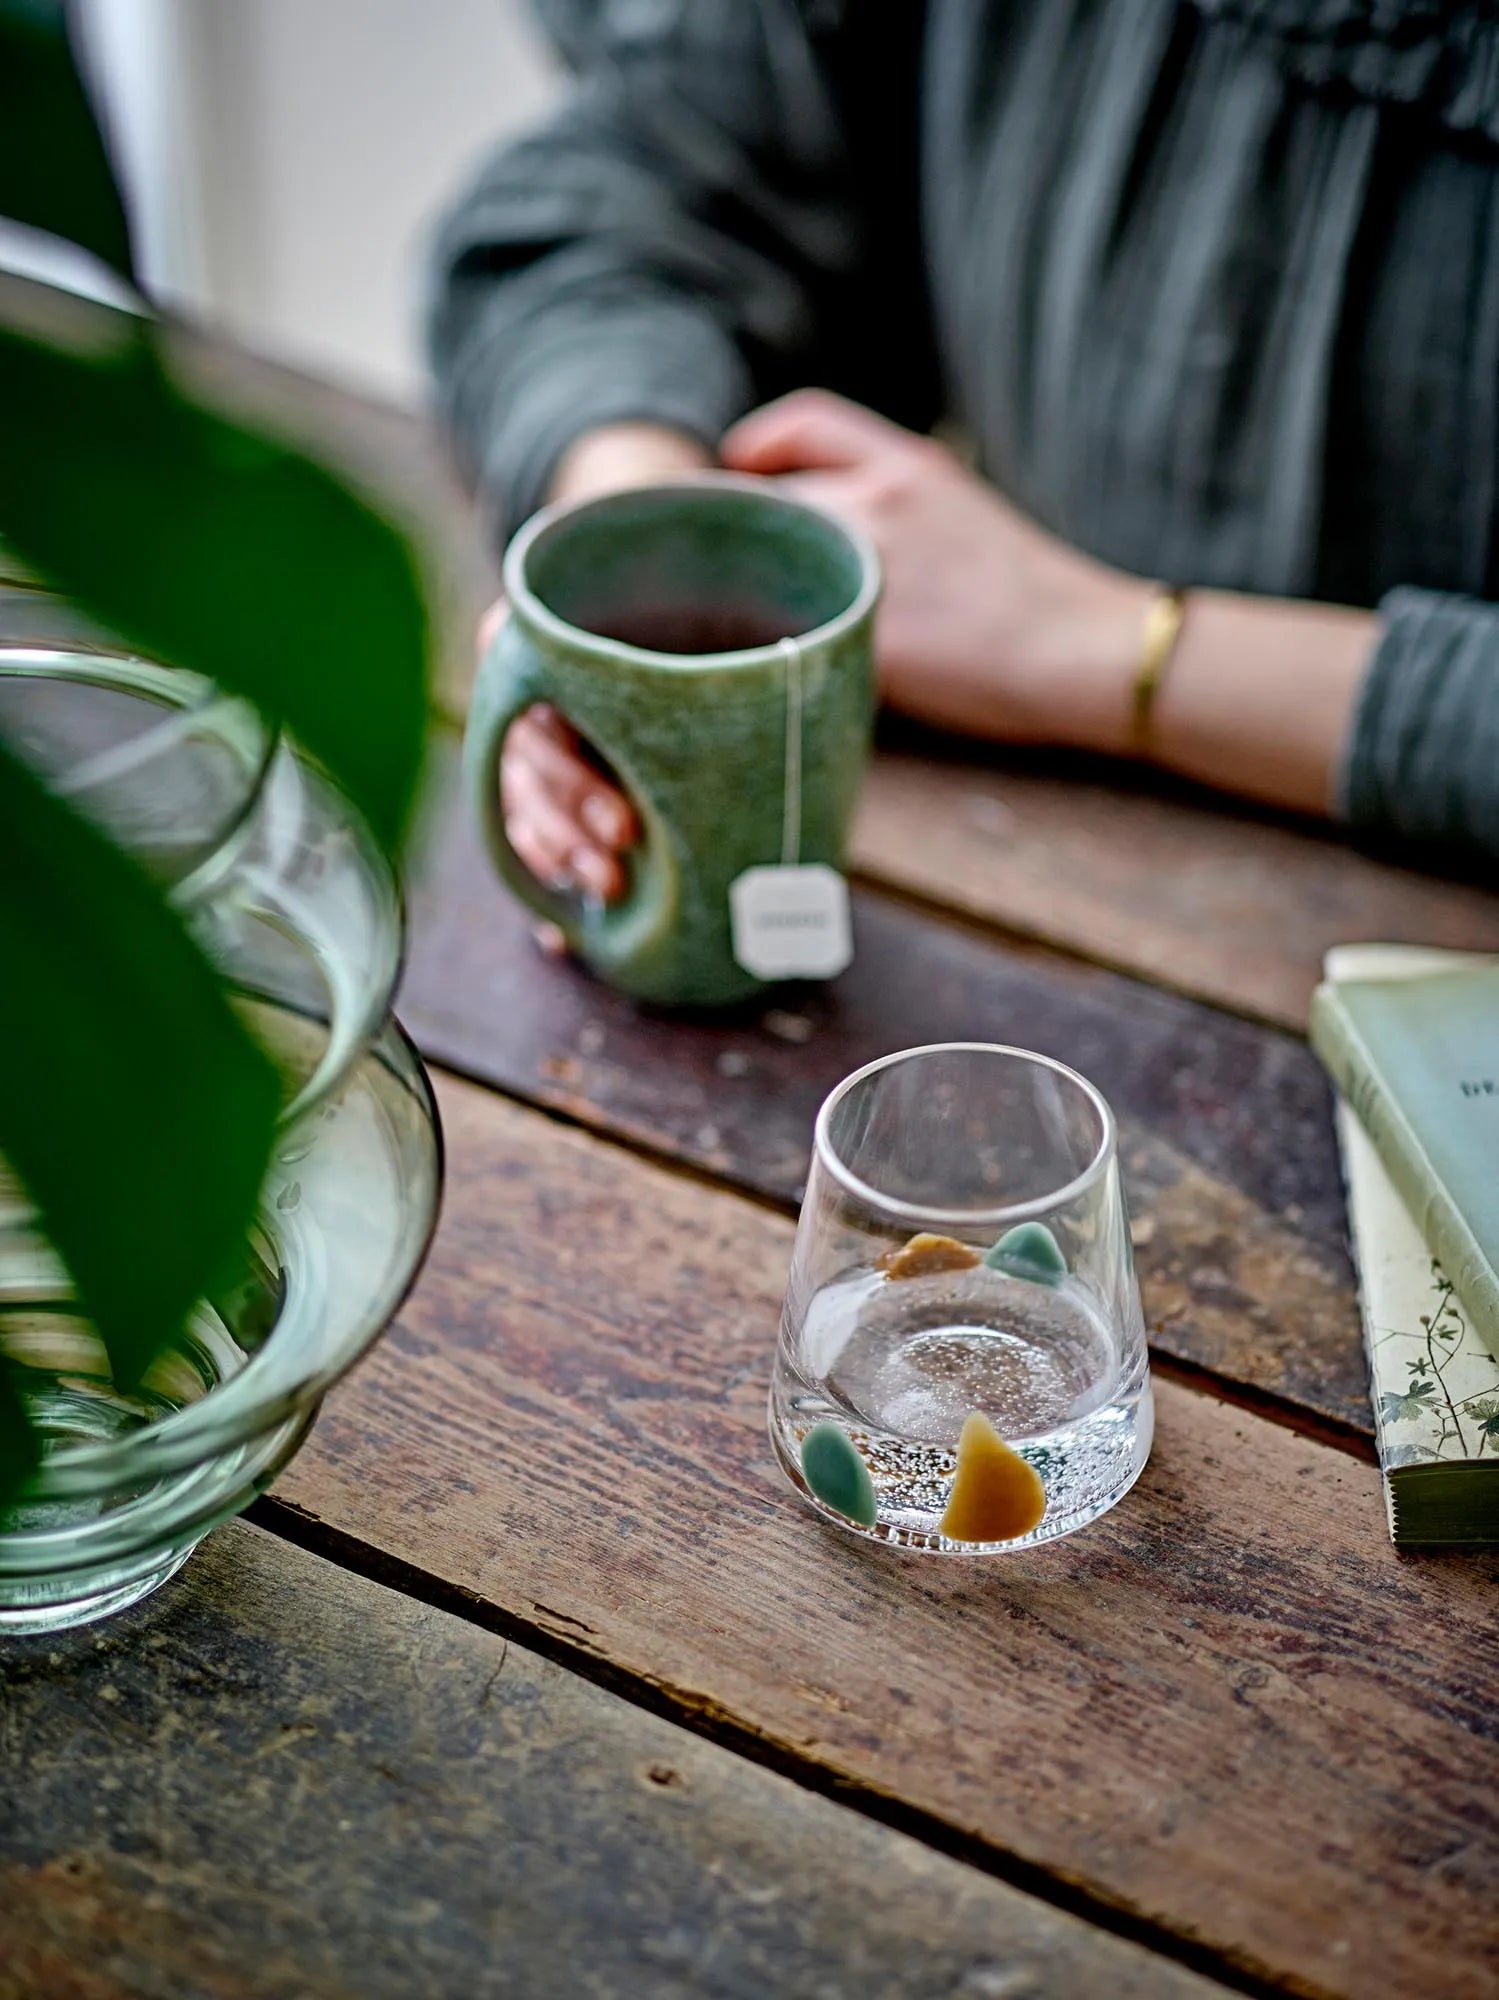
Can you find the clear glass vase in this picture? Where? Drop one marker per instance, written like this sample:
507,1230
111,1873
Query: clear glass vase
288,895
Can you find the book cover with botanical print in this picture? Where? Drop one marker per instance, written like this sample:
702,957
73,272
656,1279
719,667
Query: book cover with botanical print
1434,1376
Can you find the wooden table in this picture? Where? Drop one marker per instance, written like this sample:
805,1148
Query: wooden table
532,1678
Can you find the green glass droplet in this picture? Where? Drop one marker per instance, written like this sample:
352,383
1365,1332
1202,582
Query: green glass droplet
1028,1251
837,1474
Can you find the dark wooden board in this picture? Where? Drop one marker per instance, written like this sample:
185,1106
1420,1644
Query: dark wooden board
277,1780
1228,1708
1226,1126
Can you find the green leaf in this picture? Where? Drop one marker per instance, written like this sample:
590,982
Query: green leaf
1406,1408
133,1105
54,170
20,1445
213,548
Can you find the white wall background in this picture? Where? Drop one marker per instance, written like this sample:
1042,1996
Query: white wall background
285,156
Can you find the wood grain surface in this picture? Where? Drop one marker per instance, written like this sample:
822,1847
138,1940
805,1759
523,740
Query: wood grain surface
277,1779
1229,1708
1226,1127
1194,894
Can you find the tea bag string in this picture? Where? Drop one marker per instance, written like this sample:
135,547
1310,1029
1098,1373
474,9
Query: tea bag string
791,786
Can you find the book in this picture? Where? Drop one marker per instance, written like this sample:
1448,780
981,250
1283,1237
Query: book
1434,1379
1411,1038
1433,1367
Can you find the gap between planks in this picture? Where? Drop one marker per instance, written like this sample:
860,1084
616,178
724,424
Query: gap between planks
539,1406
1036,946
1202,1381
700,1716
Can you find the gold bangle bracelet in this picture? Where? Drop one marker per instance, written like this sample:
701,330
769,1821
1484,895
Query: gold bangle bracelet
1163,623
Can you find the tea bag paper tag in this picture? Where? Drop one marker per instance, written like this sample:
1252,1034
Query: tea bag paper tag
791,922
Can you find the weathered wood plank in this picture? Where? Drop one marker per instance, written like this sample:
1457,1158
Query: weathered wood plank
279,1780
1229,1707
1227,1131
1209,900
1206,900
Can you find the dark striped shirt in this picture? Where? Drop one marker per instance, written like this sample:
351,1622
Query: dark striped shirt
1213,285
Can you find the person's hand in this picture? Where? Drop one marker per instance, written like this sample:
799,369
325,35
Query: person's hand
564,819
988,625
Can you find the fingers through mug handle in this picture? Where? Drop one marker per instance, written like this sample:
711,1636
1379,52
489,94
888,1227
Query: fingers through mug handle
510,683
514,680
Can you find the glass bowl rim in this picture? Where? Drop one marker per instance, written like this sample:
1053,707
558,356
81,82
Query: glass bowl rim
1000,1214
180,691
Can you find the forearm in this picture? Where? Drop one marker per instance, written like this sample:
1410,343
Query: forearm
1386,719
1259,697
994,626
621,455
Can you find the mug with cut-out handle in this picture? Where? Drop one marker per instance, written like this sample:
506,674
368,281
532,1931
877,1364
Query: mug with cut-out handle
711,640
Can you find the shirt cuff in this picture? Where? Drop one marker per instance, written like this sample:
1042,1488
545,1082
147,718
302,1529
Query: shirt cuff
649,367
1422,758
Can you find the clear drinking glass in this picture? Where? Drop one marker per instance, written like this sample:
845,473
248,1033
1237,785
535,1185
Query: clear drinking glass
962,1363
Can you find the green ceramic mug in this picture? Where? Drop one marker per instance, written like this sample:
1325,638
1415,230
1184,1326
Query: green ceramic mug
657,621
